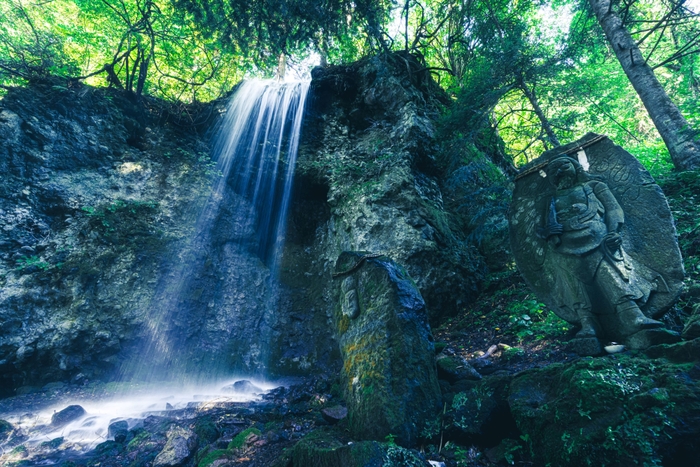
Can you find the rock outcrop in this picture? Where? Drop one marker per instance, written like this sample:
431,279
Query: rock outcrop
369,152
96,195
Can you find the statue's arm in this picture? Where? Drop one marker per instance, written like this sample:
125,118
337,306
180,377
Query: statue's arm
614,215
552,228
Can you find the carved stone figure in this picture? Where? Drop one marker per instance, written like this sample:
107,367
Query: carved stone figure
583,226
582,240
389,375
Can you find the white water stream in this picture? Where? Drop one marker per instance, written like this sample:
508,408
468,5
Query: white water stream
84,433
256,152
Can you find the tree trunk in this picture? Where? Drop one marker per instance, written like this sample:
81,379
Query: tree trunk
540,114
672,126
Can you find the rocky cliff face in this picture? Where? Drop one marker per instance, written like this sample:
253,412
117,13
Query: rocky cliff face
370,150
100,199
367,180
96,198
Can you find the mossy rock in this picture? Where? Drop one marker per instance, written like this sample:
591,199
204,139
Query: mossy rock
617,410
206,430
323,449
52,444
213,456
107,449
239,440
453,368
389,374
681,352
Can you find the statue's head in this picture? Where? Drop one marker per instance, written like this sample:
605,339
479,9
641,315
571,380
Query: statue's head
563,171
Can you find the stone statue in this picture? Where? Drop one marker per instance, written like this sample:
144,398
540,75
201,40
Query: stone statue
583,225
575,247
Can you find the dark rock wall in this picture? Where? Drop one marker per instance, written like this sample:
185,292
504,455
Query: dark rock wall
98,201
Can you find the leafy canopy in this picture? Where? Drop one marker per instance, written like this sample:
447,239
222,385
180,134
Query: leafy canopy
523,75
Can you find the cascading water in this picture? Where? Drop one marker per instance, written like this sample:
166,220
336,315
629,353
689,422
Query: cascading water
255,155
255,160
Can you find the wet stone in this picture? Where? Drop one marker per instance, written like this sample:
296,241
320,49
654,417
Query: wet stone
453,368
118,430
334,414
181,442
242,387
67,415
648,337
691,330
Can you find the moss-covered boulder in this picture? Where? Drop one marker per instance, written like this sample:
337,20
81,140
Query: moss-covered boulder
389,374
617,410
324,449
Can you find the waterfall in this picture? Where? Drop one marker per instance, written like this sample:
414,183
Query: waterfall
256,152
242,228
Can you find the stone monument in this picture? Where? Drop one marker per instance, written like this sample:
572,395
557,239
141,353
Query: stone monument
389,374
593,236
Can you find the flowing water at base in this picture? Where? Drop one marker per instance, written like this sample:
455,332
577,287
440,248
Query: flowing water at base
133,406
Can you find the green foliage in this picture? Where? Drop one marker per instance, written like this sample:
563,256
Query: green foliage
239,440
142,46
261,30
460,400
683,192
30,48
466,408
530,319
519,315
522,74
431,429
25,262
396,456
603,411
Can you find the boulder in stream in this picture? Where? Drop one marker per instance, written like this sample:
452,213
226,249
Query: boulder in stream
67,415
242,387
180,445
